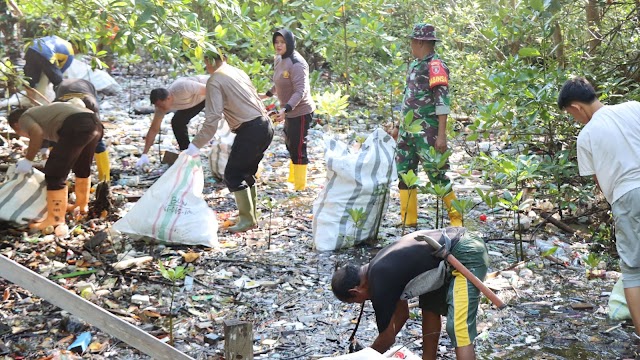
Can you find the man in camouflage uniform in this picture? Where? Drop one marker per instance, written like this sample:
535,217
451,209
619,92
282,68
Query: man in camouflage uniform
9,16
427,95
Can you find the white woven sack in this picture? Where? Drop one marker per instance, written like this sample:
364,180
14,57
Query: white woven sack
364,354
397,352
23,197
357,180
78,69
220,149
173,210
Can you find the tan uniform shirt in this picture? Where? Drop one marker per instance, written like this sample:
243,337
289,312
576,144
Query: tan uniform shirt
186,91
230,94
50,118
291,84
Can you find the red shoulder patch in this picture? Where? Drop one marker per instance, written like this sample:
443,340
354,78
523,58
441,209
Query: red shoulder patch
437,74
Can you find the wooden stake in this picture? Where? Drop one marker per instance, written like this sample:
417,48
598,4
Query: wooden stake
42,97
238,340
89,312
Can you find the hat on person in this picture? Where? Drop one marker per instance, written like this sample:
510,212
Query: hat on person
424,32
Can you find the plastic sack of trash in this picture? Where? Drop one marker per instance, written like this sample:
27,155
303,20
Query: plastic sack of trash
401,352
220,149
618,309
357,183
396,352
173,210
99,78
23,197
364,354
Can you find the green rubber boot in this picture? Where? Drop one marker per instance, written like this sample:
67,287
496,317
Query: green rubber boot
254,200
246,211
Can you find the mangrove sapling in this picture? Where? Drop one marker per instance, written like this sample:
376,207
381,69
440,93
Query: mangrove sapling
174,275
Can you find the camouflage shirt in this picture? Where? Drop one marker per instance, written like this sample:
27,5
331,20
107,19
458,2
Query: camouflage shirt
427,89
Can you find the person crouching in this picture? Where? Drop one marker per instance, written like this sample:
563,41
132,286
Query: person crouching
76,132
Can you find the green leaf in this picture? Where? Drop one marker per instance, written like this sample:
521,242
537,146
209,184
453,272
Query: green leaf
163,271
73,274
537,5
550,251
413,129
441,190
145,16
528,52
408,118
410,178
198,52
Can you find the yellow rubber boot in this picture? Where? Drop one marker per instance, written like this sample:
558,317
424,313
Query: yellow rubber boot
104,166
83,189
56,209
409,207
291,178
300,177
454,216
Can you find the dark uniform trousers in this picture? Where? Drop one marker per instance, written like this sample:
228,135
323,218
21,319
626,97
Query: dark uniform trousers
74,150
252,140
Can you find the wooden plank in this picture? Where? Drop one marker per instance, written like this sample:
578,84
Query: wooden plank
238,340
169,157
89,312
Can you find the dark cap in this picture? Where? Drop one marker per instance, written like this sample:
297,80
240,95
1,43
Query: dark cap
424,32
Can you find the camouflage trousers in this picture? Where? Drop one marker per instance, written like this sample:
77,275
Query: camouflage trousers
409,155
9,32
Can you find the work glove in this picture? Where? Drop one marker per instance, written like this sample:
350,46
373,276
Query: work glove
192,150
44,153
144,160
23,166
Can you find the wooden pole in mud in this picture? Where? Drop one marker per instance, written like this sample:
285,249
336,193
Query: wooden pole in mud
88,311
238,340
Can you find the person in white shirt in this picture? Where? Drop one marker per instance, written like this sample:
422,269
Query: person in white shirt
185,96
609,149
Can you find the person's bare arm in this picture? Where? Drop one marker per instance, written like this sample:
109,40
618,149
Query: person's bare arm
441,140
154,129
35,141
202,90
595,178
387,338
